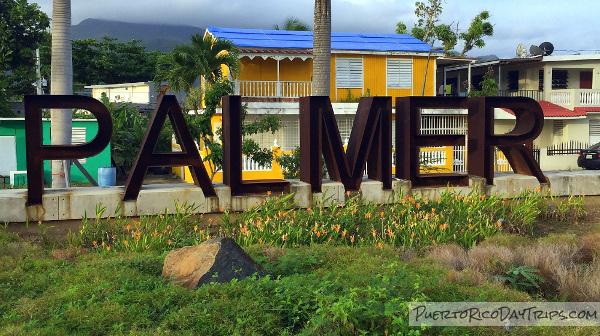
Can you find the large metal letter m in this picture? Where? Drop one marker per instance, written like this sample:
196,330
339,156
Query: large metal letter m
370,143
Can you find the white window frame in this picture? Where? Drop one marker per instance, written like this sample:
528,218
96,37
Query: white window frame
399,73
349,73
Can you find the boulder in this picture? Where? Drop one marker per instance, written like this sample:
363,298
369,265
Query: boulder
216,260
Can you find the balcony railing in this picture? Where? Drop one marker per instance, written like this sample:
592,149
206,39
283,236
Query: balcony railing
568,98
273,89
534,94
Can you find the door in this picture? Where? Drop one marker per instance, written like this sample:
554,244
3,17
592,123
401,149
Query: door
8,153
585,79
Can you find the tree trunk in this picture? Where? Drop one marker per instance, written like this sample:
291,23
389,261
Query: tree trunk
61,84
322,48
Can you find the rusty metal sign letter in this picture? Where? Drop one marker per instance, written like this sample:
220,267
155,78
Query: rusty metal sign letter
370,142
409,140
232,154
37,152
189,155
528,126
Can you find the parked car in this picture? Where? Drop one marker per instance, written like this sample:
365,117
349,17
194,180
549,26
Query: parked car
589,158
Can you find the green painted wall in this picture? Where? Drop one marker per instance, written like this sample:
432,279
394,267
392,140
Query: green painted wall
16,127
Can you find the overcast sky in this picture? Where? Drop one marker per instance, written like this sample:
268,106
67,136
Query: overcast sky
572,26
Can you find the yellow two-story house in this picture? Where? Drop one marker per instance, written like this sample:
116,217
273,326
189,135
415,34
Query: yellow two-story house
277,69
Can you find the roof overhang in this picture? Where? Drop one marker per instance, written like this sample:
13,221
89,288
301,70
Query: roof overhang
109,86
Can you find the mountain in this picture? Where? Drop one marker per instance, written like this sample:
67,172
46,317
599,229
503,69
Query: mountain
154,36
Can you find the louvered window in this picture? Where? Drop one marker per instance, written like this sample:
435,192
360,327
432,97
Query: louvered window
557,130
399,74
77,138
594,131
560,79
349,73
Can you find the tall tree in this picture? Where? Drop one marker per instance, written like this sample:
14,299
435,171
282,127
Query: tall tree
480,27
293,23
62,84
322,48
428,28
203,59
108,61
22,29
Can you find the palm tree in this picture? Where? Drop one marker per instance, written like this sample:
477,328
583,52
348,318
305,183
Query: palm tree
322,48
62,84
203,59
293,23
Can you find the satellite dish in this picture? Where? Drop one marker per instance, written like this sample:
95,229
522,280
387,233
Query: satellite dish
536,51
521,51
547,47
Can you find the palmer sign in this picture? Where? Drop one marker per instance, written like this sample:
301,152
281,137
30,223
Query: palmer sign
370,142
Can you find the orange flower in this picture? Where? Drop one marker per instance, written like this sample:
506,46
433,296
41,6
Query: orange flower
309,209
418,205
126,243
284,237
210,220
95,243
381,214
128,227
103,244
268,193
108,248
344,233
195,228
482,197
374,232
222,209
444,226
260,240
169,241
432,209
155,233
439,201
368,215
352,239
380,245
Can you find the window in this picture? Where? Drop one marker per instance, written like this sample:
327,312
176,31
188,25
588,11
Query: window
349,73
399,74
594,131
557,131
541,80
344,123
513,80
559,79
77,138
291,134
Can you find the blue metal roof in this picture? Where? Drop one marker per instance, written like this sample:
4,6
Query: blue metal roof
284,39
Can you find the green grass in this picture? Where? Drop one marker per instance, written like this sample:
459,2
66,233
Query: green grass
321,281
316,290
319,290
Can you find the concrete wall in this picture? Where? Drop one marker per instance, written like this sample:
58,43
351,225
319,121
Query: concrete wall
75,203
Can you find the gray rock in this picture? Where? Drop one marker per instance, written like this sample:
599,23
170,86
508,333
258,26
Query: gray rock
216,260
